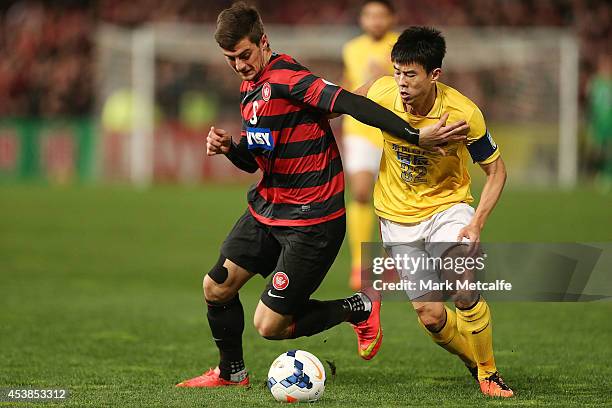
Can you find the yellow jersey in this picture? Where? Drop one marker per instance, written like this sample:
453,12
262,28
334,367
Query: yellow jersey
359,56
413,183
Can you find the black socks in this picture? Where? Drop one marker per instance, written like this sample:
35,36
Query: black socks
226,322
318,316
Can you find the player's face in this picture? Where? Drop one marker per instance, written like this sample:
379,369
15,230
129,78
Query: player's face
376,20
414,83
247,59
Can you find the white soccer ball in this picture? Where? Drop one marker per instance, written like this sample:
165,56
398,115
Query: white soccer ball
296,376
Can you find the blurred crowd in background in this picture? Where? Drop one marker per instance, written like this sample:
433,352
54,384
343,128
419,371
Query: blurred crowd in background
47,47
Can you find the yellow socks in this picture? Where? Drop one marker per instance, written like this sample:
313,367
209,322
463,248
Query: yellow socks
475,325
451,340
359,222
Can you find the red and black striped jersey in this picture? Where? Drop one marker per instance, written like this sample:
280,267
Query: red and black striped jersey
286,129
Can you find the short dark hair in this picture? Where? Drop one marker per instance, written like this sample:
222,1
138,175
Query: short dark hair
421,45
237,22
387,3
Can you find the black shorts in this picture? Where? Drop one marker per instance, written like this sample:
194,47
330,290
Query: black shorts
298,258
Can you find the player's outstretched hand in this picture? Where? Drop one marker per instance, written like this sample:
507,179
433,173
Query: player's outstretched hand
432,136
218,141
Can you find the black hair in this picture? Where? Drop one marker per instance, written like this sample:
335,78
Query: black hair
237,22
421,45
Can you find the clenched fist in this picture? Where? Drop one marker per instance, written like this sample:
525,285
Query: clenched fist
218,141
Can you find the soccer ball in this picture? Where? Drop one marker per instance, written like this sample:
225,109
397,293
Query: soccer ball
296,376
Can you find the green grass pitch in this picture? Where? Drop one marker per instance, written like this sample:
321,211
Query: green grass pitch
101,294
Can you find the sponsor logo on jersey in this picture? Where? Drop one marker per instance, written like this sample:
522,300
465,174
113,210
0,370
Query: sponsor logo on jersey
280,281
266,92
259,138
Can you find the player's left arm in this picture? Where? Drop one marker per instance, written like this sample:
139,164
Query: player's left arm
496,179
485,152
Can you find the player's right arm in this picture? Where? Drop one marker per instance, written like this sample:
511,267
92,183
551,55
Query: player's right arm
219,141
314,91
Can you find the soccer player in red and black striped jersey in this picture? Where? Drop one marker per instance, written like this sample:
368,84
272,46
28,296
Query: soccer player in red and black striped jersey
295,221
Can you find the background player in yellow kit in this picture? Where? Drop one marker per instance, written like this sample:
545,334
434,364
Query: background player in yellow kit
422,197
365,58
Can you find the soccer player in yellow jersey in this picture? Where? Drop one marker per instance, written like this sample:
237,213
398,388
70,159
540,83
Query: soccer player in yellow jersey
365,57
422,197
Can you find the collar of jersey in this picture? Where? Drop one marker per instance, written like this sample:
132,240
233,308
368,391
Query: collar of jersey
434,113
273,59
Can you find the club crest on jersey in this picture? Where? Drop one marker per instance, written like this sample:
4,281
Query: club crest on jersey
266,92
280,281
259,138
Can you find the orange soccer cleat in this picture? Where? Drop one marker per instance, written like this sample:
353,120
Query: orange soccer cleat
494,386
369,332
211,379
